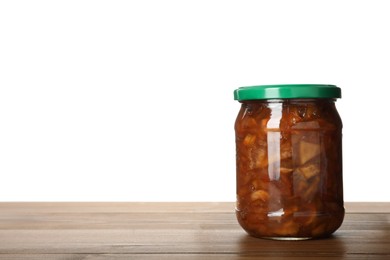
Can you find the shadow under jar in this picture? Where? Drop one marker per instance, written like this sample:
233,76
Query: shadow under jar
289,161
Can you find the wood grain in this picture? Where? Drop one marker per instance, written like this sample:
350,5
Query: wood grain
174,231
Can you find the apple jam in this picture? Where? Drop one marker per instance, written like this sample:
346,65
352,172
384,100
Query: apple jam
289,165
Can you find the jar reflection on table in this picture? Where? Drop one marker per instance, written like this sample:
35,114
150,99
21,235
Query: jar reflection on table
289,168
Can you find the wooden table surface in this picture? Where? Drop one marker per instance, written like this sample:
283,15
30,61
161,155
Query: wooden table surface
174,231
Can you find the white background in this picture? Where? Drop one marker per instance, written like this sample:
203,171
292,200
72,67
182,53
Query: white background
133,100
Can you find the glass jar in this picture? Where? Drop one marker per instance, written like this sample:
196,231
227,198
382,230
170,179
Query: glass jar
289,161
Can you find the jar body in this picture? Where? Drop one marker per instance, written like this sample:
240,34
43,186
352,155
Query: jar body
289,168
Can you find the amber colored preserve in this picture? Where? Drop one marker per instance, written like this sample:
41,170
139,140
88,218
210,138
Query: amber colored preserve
289,161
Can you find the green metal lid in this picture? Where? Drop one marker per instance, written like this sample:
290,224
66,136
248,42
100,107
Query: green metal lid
287,91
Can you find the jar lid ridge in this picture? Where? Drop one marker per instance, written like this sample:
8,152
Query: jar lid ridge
287,91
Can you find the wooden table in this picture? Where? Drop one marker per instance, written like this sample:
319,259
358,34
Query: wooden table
174,231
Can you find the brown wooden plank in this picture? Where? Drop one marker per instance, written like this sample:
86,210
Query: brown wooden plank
185,231
157,221
94,207
367,207
186,242
167,257
209,207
